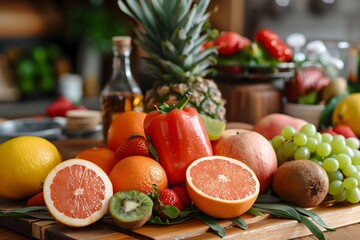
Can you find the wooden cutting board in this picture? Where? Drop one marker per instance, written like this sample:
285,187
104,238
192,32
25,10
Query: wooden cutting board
259,227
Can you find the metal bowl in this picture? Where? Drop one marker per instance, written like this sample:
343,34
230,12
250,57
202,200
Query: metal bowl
49,128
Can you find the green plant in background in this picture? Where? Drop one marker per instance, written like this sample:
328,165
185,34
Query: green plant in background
95,22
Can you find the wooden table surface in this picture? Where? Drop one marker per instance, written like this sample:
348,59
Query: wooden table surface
350,232
70,148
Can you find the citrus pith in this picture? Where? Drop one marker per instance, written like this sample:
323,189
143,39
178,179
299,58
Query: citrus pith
24,164
77,192
221,187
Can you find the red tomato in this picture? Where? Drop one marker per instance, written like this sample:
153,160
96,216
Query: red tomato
273,45
229,43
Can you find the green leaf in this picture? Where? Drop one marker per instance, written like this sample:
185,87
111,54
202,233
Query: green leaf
287,211
280,210
212,223
37,212
267,198
254,211
314,216
156,220
170,211
240,223
313,228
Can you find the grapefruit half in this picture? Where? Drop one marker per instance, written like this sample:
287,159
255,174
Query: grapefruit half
77,192
221,187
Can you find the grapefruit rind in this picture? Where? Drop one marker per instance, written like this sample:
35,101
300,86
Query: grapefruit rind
217,207
71,221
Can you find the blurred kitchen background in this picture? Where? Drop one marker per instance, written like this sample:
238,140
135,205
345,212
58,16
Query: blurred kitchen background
41,41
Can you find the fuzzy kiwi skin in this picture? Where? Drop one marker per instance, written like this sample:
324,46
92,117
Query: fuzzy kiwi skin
128,223
301,182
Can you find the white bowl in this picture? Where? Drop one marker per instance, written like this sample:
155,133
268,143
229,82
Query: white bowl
309,113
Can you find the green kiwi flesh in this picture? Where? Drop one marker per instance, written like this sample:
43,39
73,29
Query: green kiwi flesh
130,209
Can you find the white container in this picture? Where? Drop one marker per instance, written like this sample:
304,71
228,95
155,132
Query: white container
309,113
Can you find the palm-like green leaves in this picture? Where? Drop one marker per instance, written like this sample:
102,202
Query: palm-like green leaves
172,33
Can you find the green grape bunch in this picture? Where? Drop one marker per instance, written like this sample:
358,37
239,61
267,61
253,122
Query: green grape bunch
337,155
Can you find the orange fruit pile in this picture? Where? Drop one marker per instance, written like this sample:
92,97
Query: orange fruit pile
221,187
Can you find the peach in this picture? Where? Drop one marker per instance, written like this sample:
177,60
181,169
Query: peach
252,149
271,125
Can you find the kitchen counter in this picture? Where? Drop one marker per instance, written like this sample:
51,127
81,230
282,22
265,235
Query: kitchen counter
10,110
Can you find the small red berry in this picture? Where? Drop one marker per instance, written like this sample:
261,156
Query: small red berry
36,200
135,145
182,193
344,130
169,197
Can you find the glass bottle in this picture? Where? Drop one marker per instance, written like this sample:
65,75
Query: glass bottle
122,93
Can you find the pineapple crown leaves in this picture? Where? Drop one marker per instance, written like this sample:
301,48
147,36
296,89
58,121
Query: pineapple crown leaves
172,33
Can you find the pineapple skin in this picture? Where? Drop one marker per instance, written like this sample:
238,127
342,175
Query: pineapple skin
206,97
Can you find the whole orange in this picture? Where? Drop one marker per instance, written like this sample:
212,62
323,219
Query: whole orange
138,173
24,164
125,125
101,156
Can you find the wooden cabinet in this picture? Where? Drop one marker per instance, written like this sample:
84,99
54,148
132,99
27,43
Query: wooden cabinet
248,102
230,15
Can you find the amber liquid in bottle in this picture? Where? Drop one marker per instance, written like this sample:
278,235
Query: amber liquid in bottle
122,93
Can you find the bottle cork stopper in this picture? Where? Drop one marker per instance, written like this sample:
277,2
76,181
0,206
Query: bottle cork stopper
121,41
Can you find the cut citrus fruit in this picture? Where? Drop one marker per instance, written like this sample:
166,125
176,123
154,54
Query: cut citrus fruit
221,187
214,127
77,192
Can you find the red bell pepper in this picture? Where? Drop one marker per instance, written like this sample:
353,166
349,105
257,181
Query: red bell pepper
179,137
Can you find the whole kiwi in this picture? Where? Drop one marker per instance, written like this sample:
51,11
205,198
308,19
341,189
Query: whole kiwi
303,183
130,209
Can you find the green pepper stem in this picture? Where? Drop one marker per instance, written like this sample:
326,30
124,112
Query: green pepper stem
165,108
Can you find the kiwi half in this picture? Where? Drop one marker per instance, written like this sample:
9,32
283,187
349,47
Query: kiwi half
130,209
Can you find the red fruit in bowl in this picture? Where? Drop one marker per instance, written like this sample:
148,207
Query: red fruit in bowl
344,130
305,81
229,43
251,148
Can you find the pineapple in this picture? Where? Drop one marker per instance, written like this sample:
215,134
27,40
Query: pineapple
172,33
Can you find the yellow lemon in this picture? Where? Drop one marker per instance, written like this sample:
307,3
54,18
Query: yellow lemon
347,111
24,164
